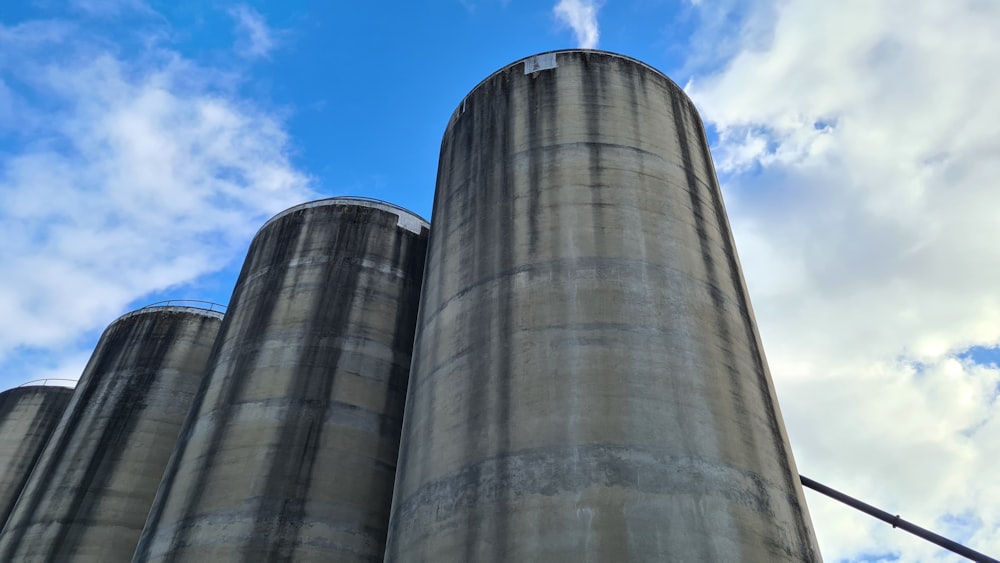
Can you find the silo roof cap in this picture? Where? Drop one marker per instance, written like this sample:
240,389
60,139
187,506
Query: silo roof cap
550,59
407,219
193,306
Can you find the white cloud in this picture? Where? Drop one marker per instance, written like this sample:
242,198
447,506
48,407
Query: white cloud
581,17
255,39
858,149
124,177
62,373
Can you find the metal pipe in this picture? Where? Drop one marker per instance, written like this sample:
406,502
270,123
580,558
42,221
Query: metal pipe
898,522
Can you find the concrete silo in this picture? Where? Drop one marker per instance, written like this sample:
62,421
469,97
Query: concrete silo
290,452
28,416
88,496
588,382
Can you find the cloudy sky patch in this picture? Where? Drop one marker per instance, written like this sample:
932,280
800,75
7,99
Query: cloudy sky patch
856,149
119,176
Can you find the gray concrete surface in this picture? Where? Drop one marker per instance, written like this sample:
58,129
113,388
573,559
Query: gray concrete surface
87,498
588,382
291,451
28,416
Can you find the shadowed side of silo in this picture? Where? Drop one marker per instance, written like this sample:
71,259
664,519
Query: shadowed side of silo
290,452
588,383
28,416
89,494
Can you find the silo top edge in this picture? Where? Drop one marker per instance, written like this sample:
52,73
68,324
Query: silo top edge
34,386
407,219
53,382
170,309
554,55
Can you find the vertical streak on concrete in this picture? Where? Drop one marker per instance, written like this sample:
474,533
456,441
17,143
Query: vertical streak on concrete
290,451
765,387
89,494
28,416
587,381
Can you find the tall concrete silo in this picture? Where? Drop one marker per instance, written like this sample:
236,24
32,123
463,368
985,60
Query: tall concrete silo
88,496
28,416
290,453
588,382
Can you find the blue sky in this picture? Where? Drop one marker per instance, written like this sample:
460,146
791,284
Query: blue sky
143,143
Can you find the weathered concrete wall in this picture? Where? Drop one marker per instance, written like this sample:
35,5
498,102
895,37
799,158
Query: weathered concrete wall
28,416
291,451
588,383
88,496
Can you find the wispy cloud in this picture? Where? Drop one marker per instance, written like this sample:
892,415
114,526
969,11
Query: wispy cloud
472,5
255,40
110,8
858,151
581,17
118,177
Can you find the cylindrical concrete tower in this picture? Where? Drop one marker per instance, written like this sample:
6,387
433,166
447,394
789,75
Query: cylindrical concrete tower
88,496
588,383
28,415
290,453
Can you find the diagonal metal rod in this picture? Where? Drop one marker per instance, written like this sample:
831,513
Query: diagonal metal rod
898,522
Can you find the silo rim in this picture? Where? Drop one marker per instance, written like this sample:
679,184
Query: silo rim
157,308
407,219
507,67
33,386
45,383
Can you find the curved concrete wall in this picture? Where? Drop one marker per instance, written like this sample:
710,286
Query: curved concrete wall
588,383
290,454
28,416
88,497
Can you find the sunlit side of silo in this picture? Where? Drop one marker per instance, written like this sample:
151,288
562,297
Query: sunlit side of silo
28,416
88,496
290,452
588,383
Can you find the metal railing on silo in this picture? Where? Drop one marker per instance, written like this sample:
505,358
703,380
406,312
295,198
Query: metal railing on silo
195,303
50,381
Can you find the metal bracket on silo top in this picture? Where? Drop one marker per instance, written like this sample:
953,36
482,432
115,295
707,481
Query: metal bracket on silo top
544,61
